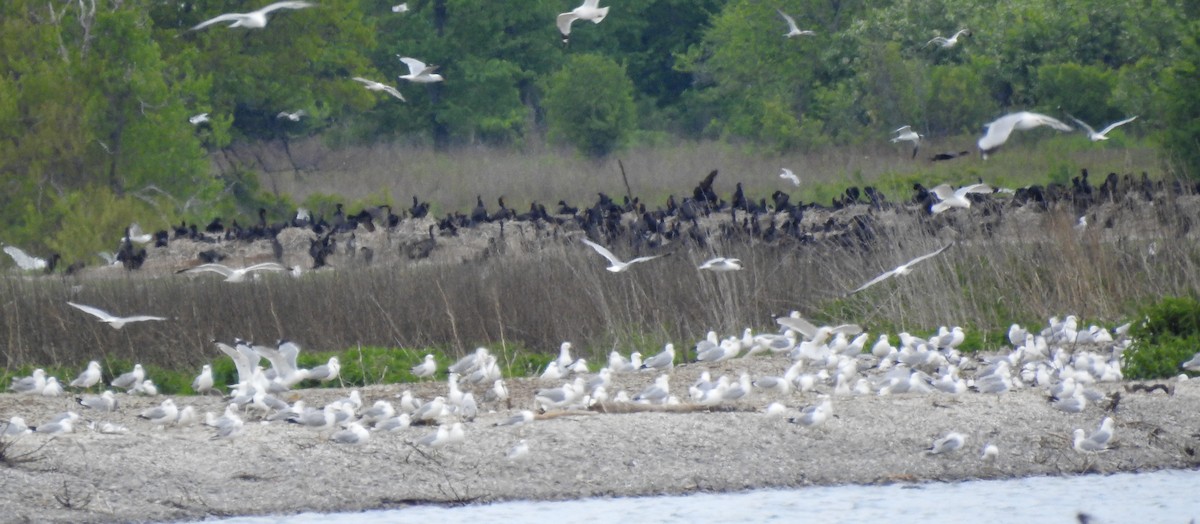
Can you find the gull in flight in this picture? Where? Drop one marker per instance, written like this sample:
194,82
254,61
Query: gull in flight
902,269
419,72
946,43
951,442
617,265
792,29
24,260
115,322
1103,134
235,275
590,10
951,197
906,134
400,8
253,19
198,119
372,85
294,117
998,130
787,174
721,264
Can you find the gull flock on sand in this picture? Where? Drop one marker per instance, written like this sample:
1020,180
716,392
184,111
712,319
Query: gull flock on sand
814,366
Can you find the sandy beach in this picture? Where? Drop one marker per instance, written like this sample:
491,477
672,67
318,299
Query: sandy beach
181,473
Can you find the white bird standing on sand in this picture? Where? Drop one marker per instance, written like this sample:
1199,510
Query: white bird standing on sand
617,265
354,435
204,381
951,197
721,264
115,322
33,384
1103,134
327,371
53,388
999,130
90,376
1193,364
238,274
104,402
372,85
946,43
902,269
420,73
792,29
164,413
589,10
426,368
815,415
788,175
131,379
294,117
24,260
253,19
990,453
663,360
198,119
951,442
906,134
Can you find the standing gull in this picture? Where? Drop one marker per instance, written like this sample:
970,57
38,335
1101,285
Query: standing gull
902,269
90,376
426,368
590,10
617,264
951,442
115,322
253,19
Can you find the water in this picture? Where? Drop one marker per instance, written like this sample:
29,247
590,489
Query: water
1160,497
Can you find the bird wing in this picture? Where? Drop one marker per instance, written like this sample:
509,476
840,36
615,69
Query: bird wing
23,260
212,267
392,91
943,191
643,259
873,281
594,4
564,22
140,318
96,312
790,21
415,67
294,4
1031,120
930,255
266,266
1086,127
902,129
1114,125
604,252
973,188
227,17
940,40
369,83
998,131
799,325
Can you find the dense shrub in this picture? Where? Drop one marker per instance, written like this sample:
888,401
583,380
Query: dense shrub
1168,335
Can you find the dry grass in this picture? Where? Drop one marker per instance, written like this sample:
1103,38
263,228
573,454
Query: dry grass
1024,267
451,181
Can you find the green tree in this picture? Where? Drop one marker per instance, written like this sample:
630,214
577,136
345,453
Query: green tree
1084,91
1179,100
589,104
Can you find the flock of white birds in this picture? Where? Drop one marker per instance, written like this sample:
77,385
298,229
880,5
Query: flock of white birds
1065,360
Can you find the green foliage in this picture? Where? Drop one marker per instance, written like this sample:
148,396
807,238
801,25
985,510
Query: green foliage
1083,91
958,100
1179,100
589,104
1168,336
